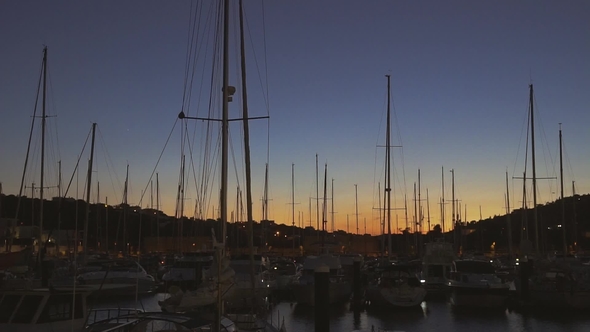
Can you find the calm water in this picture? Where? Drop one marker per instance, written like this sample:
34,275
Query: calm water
433,316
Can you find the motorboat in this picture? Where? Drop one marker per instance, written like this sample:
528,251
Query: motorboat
436,266
127,275
474,283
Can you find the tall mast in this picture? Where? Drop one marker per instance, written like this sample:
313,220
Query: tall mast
356,207
531,101
265,203
574,220
317,195
525,224
125,252
309,212
415,221
428,210
443,201
293,201
224,156
88,195
225,121
406,215
97,214
419,225
509,225
333,205
388,165
562,197
420,218
247,149
453,207
325,210
158,212
382,217
59,209
43,124
106,221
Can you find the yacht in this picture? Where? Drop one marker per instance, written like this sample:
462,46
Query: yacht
474,283
436,266
124,275
397,285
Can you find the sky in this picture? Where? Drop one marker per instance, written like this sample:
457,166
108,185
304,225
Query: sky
460,74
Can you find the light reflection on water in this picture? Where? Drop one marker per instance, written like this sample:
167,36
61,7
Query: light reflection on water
432,316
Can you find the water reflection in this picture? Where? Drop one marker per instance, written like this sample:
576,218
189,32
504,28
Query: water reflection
431,316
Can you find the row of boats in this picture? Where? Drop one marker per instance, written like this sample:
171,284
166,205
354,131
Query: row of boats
194,281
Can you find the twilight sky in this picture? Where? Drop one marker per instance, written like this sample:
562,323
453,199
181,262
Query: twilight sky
459,70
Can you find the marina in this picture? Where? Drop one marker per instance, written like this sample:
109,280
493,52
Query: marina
204,233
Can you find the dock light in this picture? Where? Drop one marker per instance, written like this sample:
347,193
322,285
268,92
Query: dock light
422,281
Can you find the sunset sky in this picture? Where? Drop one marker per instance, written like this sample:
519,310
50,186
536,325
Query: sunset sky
460,74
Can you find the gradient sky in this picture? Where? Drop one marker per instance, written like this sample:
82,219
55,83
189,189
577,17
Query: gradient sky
459,70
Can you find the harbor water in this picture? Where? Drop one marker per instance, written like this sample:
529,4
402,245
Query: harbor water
435,315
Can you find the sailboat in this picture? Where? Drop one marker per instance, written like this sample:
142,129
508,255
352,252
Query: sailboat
559,282
221,283
396,284
36,308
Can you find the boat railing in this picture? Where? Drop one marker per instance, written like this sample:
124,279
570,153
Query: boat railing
112,315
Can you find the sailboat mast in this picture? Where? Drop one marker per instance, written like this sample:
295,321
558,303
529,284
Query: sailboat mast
247,148
59,209
325,207
293,201
509,225
443,201
356,206
419,224
158,212
317,195
43,124
333,205
574,219
535,215
415,221
388,165
453,207
88,194
224,155
125,205
106,221
97,215
420,218
265,204
428,210
562,197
